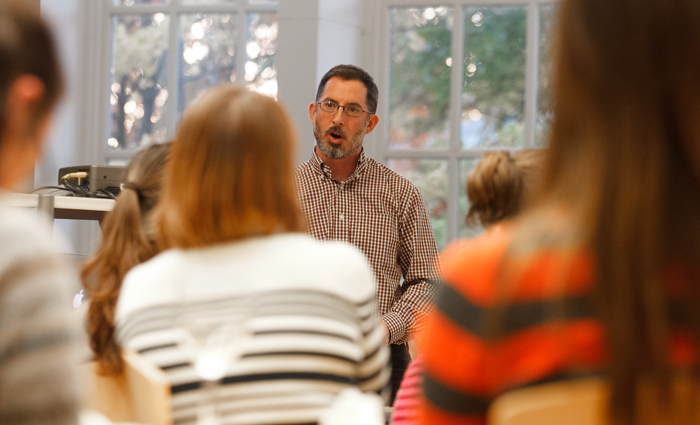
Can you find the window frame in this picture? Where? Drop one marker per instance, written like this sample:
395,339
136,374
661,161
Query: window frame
173,9
454,154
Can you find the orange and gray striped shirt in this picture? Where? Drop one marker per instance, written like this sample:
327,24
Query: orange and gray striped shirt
497,328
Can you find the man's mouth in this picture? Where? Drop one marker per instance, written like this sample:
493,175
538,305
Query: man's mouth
336,135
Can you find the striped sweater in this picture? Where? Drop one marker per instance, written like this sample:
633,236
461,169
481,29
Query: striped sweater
288,322
37,364
475,348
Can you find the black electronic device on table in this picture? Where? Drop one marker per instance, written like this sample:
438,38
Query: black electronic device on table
94,179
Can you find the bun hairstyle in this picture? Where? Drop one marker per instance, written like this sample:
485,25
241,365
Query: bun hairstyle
127,240
500,185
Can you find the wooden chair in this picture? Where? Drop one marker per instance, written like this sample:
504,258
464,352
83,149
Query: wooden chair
563,403
585,402
141,394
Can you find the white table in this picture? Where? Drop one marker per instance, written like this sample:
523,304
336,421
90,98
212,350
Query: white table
63,207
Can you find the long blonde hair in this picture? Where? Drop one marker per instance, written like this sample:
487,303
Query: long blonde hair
230,176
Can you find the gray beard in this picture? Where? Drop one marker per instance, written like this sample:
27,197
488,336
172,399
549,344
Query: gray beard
338,152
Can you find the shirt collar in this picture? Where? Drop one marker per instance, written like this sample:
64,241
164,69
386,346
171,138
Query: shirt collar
318,164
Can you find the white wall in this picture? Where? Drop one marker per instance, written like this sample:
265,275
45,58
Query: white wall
64,147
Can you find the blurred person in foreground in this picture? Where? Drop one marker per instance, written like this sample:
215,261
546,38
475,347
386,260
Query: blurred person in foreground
36,356
499,187
350,197
603,275
128,239
241,295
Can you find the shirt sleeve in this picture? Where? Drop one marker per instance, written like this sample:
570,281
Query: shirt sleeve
417,256
37,356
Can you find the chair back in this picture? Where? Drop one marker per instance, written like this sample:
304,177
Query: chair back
141,394
580,402
585,402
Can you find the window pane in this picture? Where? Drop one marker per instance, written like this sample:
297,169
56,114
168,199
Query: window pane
208,54
544,111
138,86
137,2
261,47
463,231
430,176
419,93
493,100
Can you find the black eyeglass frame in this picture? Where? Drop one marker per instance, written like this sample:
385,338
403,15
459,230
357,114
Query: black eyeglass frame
338,106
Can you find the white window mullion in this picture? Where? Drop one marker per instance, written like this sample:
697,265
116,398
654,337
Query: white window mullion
456,82
173,76
241,54
531,70
383,32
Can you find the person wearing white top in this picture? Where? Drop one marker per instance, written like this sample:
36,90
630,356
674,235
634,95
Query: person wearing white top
242,311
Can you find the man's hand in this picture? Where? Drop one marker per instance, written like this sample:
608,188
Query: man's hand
387,334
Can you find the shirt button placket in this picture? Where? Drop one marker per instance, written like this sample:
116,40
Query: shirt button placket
342,222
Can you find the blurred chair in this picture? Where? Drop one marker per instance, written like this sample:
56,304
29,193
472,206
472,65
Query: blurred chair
580,402
585,402
141,394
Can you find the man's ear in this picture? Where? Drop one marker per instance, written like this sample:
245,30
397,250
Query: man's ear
312,112
373,121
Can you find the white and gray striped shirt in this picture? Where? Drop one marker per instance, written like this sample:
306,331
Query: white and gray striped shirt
294,318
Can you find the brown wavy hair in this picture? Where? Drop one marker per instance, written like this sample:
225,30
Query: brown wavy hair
230,176
499,185
127,240
623,170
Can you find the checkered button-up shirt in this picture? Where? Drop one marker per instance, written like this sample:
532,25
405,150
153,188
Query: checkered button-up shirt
384,215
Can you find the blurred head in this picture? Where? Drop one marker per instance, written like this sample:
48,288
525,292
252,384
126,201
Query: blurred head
230,176
31,83
499,185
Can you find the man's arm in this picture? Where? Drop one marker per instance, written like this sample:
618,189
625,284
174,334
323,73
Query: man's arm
418,258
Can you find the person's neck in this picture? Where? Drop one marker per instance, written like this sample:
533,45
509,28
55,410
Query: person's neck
341,168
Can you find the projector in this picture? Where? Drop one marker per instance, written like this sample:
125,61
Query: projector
94,178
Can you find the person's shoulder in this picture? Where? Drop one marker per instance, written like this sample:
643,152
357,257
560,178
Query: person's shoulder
398,182
149,284
158,268
24,235
305,248
304,167
471,265
334,266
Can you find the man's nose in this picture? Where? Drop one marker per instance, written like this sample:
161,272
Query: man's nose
339,116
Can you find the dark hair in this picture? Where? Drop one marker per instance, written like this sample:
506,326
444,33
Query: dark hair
27,47
128,240
352,72
500,185
215,190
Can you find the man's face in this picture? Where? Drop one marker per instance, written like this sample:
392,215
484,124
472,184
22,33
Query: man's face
337,134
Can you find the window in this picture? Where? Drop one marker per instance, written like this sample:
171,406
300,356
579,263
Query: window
165,53
462,80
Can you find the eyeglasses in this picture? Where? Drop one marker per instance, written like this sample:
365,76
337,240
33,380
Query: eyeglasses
349,110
